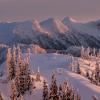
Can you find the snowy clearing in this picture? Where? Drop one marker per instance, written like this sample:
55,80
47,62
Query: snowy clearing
49,63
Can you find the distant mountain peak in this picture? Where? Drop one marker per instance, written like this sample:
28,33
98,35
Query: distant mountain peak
36,26
54,25
70,19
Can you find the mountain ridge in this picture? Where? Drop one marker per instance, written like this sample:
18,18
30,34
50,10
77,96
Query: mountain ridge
51,33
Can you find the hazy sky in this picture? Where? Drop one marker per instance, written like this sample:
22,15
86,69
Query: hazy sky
82,10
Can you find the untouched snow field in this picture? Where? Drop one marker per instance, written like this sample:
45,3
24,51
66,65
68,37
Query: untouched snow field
49,63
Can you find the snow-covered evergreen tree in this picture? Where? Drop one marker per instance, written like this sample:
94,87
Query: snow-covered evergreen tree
11,65
88,52
15,55
72,64
87,74
82,52
19,59
78,69
14,92
38,75
53,89
94,52
60,92
97,73
65,91
23,79
45,91
92,78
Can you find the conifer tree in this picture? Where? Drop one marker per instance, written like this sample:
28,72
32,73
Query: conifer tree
92,76
38,75
97,73
72,95
66,91
13,91
18,80
15,55
82,51
10,65
94,52
17,83
88,52
87,74
19,52
45,91
60,92
53,89
78,69
23,79
28,52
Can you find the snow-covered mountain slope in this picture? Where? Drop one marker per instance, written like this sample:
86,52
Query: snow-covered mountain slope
54,26
47,64
37,27
5,32
51,33
90,28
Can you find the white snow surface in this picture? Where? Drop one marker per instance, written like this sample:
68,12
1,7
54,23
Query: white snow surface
48,63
